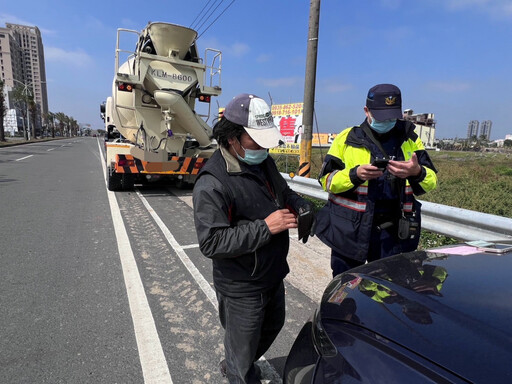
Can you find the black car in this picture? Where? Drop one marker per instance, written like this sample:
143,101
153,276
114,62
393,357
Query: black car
440,316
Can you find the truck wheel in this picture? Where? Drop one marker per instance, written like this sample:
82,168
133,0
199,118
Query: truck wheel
114,181
127,182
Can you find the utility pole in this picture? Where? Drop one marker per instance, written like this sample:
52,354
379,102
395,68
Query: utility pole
309,90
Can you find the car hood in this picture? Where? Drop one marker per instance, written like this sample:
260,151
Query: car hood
454,310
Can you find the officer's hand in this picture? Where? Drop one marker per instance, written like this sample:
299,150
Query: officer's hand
405,169
368,172
280,220
306,222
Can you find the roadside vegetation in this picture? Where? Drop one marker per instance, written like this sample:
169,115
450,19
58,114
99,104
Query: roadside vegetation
479,181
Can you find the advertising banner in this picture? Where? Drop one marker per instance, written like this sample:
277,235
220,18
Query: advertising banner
322,139
288,117
286,149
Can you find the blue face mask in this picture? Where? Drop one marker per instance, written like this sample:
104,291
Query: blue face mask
253,156
382,126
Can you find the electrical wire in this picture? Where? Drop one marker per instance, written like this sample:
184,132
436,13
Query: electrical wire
199,14
318,133
194,26
211,13
225,9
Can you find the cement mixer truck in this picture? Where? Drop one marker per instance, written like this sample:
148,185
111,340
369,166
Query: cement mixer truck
152,128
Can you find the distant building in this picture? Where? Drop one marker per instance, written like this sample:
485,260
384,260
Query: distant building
22,63
11,57
425,126
473,129
485,129
11,65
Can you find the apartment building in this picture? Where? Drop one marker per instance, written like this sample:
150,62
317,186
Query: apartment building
473,126
11,69
22,63
485,129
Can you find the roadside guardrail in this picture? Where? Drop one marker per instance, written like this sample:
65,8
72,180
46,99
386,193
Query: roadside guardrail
459,223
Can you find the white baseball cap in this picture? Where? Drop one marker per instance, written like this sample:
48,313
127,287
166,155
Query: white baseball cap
254,114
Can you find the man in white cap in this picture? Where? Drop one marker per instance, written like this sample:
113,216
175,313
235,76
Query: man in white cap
243,209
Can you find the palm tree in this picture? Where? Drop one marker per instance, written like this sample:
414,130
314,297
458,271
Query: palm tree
51,122
22,97
61,117
73,126
32,107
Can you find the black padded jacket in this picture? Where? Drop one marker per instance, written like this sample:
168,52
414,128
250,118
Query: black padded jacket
231,201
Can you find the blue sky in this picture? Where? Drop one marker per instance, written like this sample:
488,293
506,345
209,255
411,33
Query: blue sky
449,57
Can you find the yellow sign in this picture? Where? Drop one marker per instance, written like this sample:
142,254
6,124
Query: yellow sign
287,109
323,139
286,149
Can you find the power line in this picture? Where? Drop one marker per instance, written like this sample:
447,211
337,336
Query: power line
225,9
192,24
211,13
204,13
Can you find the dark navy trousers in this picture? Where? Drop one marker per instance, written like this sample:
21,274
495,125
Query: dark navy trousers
251,325
383,243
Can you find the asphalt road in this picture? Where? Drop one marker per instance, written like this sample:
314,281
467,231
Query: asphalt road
102,287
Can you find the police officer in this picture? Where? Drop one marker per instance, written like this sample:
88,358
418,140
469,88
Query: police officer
372,172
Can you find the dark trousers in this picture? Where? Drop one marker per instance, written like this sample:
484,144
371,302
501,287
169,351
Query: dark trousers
383,243
251,325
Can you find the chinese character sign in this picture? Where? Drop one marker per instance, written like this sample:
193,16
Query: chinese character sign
288,117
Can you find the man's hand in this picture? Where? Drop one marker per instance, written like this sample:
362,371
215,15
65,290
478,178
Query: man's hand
281,220
405,169
368,172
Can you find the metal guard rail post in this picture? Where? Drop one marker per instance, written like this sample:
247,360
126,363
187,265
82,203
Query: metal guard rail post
458,223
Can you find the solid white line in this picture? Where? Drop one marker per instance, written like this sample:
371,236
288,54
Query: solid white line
152,358
51,149
203,284
23,158
190,246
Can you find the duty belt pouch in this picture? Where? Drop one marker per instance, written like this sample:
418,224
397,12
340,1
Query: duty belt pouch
408,227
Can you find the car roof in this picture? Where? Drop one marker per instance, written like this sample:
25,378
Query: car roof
455,310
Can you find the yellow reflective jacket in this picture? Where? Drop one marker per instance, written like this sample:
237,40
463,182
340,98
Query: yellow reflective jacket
345,222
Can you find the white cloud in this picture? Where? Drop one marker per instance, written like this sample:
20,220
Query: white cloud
282,82
238,49
75,58
6,18
496,8
458,4
333,87
263,58
449,86
235,49
391,4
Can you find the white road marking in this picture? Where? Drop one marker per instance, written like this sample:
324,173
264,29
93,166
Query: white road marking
190,246
152,358
203,284
51,149
23,158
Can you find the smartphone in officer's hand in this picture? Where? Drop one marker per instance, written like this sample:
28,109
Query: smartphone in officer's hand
380,163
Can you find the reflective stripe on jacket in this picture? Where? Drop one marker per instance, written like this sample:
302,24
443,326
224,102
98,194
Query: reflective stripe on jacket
345,222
